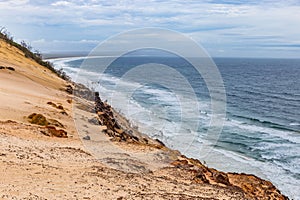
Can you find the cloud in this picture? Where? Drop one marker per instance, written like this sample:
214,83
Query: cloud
61,3
217,24
14,2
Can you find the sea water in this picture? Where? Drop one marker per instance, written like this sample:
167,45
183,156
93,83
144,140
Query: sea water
261,134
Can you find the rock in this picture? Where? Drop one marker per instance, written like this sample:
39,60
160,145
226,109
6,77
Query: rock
69,89
109,123
200,178
103,128
31,115
100,113
180,163
116,139
60,107
41,120
94,121
38,119
10,68
145,140
160,142
52,131
56,123
120,131
64,113
255,187
110,133
86,137
55,106
221,177
52,104
134,138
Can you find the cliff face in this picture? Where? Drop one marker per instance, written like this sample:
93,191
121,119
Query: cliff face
36,162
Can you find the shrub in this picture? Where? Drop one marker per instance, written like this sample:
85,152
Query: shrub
27,50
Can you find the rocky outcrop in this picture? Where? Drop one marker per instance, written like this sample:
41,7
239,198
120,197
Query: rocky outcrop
252,186
49,125
202,174
118,128
51,131
255,187
112,127
59,107
38,119
41,120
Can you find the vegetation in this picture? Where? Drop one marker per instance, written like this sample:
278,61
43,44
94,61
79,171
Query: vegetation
27,49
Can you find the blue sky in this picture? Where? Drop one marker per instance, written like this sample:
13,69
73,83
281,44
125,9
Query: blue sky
223,27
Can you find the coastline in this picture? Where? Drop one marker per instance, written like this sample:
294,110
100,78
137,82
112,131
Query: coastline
45,166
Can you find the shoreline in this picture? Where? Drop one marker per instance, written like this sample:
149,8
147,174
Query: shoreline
38,162
182,161
117,139
236,163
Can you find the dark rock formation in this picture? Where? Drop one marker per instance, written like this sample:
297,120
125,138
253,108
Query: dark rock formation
106,117
49,125
69,89
38,119
59,107
8,68
51,131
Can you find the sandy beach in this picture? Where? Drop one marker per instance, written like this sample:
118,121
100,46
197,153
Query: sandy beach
46,159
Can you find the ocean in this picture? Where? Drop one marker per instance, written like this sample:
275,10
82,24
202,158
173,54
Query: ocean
261,133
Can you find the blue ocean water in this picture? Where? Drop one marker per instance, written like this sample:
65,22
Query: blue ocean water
261,134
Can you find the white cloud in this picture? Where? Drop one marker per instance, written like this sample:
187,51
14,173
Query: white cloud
14,2
213,24
61,3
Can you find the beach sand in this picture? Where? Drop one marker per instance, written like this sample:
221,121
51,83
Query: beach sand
37,165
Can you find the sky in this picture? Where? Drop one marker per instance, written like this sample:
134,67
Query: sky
225,28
